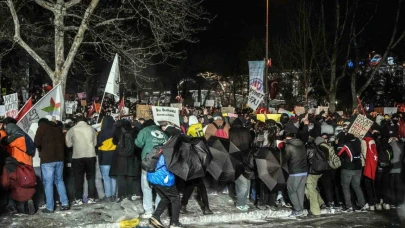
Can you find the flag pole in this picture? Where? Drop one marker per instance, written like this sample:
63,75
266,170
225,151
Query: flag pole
101,106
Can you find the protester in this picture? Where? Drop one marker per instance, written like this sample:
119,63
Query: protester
217,128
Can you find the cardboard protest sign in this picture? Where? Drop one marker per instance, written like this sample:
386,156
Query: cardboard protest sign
2,110
166,114
177,105
209,103
299,110
322,108
144,111
340,113
255,98
228,110
360,126
379,110
11,105
197,104
83,102
390,110
70,107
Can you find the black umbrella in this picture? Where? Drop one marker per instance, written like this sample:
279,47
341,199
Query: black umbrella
186,158
272,170
226,164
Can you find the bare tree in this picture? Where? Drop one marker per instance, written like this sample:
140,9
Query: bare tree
137,30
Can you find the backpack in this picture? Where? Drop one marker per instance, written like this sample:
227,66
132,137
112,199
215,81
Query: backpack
126,146
318,160
25,176
385,156
220,133
161,176
29,145
151,159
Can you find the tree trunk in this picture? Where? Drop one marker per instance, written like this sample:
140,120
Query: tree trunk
59,40
234,96
353,89
332,100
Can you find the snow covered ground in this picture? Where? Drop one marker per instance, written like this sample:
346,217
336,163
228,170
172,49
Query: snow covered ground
108,215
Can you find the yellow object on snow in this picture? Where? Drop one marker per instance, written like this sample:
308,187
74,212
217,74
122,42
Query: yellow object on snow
262,118
129,223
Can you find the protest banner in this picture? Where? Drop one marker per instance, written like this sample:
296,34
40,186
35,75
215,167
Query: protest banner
256,73
263,117
197,104
166,114
390,110
228,110
299,110
11,105
144,111
2,110
360,126
70,107
209,103
83,102
177,105
340,113
255,98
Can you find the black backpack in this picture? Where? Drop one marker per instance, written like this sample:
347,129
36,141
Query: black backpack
151,159
126,145
317,158
385,156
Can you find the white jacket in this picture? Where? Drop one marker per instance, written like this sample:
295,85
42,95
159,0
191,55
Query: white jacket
83,138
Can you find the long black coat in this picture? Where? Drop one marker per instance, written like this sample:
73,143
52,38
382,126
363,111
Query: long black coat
125,165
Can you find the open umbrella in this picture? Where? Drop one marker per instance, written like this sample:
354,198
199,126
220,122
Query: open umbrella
186,158
226,164
272,170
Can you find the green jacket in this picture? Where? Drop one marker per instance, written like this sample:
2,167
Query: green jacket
148,138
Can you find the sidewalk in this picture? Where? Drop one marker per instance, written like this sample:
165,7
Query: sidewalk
109,215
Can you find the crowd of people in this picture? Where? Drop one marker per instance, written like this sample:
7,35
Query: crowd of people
326,165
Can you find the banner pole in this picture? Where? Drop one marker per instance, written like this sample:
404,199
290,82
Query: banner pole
101,106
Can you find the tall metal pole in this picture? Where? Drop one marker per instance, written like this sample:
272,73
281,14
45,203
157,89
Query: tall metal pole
266,92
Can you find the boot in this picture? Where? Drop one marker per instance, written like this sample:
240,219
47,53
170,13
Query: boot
183,210
207,211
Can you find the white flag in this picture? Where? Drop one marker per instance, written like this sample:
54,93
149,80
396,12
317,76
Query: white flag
50,104
112,86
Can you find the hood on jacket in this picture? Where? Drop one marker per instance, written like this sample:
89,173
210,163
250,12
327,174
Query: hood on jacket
319,140
107,123
327,129
290,128
13,129
295,142
284,118
148,123
237,123
192,120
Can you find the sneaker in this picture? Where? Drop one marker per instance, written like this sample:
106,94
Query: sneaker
242,208
146,215
386,206
372,208
323,206
156,222
176,225
78,202
378,207
271,208
12,210
57,203
31,207
348,210
91,201
261,207
183,210
279,197
287,205
296,214
331,205
213,193
135,197
207,211
46,211
392,206
64,207
366,207
43,206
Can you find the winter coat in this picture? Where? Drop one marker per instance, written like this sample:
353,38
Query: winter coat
211,129
125,165
351,154
105,144
15,144
83,139
7,181
148,138
398,151
50,141
296,156
195,130
240,136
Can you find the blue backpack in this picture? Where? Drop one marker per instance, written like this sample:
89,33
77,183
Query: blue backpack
161,176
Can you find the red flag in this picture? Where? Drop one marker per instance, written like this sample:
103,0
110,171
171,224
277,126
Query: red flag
27,106
92,109
122,104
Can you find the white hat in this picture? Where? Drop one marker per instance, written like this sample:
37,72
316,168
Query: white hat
48,117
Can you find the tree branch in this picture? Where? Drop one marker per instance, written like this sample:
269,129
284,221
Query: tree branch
17,39
72,3
70,28
110,21
47,5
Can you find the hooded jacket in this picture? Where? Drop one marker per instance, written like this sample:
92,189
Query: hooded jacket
351,153
296,156
105,144
149,137
15,144
196,129
83,139
49,140
240,136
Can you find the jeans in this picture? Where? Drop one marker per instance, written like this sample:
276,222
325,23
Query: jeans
189,189
315,199
110,184
168,195
352,178
83,166
296,191
147,194
53,174
242,190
